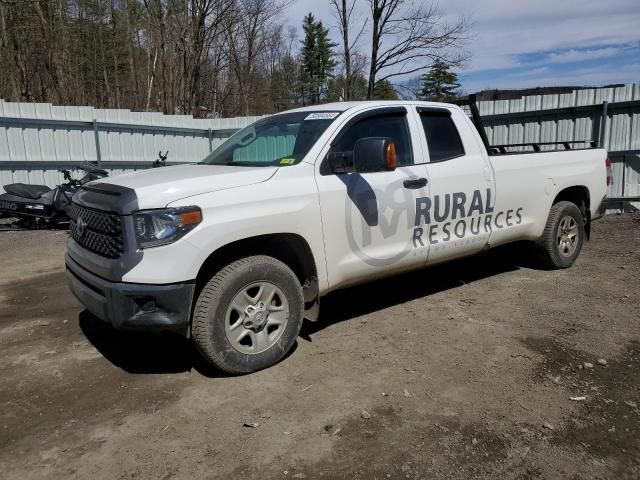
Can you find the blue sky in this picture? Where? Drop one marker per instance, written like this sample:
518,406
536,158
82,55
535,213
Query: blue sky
528,43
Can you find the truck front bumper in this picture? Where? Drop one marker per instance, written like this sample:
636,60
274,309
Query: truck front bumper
132,306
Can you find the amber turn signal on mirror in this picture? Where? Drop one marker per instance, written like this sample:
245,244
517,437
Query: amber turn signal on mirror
392,158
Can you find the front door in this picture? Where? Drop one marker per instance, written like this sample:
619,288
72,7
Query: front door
368,219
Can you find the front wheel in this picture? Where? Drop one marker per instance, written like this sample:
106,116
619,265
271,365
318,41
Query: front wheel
563,236
248,315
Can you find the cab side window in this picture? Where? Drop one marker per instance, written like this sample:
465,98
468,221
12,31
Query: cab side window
443,138
386,125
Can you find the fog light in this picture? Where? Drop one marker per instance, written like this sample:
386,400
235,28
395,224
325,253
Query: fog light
146,304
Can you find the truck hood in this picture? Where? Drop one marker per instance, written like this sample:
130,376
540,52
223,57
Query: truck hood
157,187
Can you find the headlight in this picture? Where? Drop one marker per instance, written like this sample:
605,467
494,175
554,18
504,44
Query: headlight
161,227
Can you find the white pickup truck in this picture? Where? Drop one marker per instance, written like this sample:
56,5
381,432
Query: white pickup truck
235,251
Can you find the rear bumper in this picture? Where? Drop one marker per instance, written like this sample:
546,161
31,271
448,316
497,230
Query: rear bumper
132,306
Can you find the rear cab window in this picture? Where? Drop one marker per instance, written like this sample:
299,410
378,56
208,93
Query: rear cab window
443,138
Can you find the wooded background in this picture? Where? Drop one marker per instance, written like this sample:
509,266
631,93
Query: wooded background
214,58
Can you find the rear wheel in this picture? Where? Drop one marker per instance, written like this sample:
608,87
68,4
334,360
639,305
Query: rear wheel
563,236
248,315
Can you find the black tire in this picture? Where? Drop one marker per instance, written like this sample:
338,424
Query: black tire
209,316
552,254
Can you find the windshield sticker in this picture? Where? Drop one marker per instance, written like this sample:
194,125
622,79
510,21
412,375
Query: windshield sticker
287,161
322,116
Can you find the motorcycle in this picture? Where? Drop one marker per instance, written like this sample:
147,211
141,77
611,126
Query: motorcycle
38,206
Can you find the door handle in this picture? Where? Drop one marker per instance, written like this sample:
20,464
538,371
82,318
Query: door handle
414,183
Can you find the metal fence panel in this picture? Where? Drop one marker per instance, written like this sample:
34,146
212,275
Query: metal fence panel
37,139
575,116
537,124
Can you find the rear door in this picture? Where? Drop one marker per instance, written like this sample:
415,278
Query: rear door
368,218
456,215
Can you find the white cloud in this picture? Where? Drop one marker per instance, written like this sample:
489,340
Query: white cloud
531,72
574,55
508,33
506,30
625,74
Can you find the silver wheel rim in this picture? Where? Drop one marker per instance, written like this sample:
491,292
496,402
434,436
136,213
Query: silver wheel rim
567,236
256,317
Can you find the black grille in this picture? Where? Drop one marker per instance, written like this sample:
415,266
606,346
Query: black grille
100,232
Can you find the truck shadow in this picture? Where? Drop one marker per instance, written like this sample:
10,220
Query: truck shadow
366,298
146,353
140,352
150,353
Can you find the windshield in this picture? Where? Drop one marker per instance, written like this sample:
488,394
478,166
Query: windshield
280,140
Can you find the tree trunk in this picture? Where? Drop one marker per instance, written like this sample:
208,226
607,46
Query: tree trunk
163,60
151,76
135,86
105,76
347,53
375,45
114,39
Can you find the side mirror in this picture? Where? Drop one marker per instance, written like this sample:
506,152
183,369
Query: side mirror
374,154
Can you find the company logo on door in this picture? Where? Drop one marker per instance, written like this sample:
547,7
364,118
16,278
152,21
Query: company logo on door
452,216
374,217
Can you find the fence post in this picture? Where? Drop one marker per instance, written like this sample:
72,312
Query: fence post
603,123
624,175
97,138
210,134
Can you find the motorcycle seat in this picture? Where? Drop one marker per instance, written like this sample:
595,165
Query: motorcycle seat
26,191
89,168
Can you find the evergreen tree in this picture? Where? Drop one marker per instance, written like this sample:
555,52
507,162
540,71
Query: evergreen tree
285,85
337,88
325,53
317,59
383,90
440,84
309,65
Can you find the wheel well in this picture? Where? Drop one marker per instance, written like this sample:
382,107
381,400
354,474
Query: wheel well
578,195
289,248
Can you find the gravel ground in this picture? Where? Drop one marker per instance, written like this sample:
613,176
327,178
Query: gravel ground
466,370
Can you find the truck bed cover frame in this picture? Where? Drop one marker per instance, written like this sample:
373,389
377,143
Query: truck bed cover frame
535,146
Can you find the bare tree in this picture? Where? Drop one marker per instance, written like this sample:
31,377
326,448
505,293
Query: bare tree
157,14
49,21
131,61
408,35
204,57
248,39
291,38
204,25
344,10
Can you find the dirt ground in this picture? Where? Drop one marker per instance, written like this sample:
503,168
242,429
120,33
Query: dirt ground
461,371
